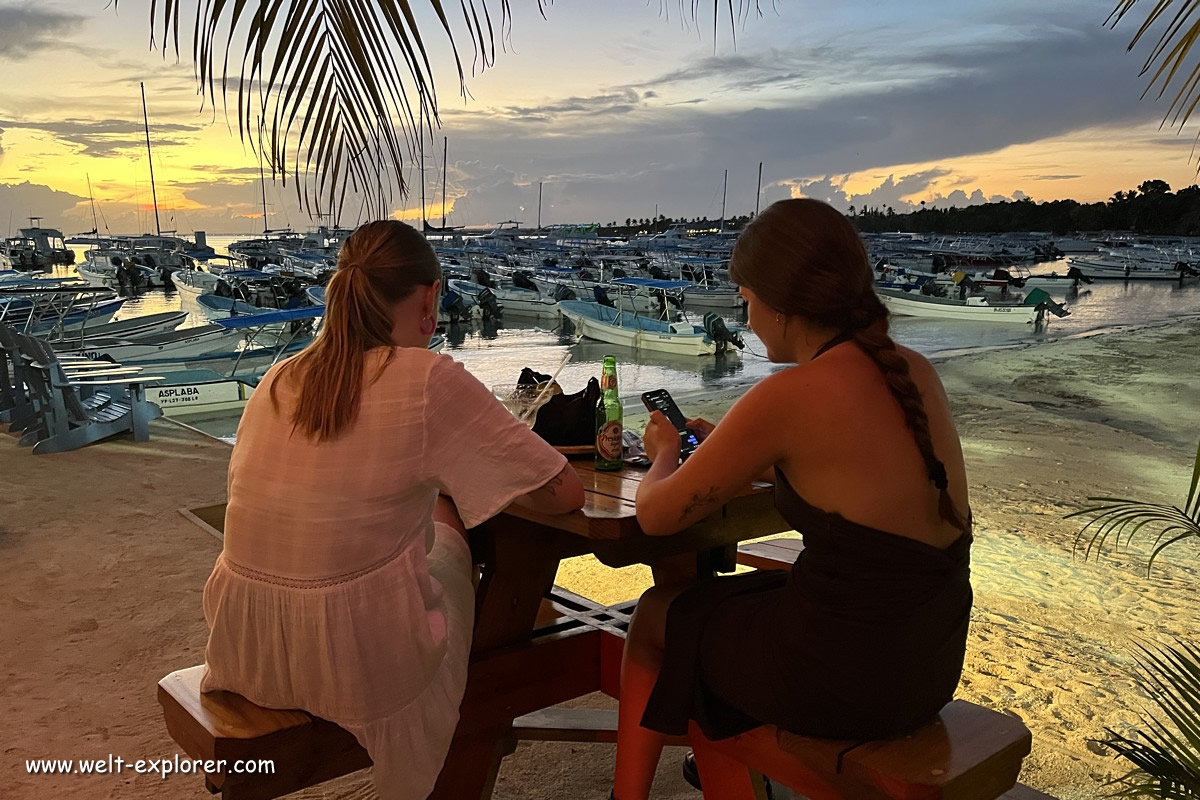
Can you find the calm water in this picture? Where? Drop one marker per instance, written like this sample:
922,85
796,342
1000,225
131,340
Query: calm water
496,354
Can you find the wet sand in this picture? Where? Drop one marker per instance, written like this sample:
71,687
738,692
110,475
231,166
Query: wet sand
103,577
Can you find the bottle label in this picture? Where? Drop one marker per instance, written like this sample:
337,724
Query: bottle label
608,382
608,441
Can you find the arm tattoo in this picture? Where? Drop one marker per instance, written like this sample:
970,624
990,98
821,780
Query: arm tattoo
699,501
552,485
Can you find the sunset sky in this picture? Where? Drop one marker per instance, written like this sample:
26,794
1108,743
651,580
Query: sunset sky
617,107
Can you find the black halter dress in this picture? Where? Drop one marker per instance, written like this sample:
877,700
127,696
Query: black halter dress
864,638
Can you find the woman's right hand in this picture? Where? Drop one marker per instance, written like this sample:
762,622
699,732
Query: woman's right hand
701,427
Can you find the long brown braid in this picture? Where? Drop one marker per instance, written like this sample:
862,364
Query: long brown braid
804,258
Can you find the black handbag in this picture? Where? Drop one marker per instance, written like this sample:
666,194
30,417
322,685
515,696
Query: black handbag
566,420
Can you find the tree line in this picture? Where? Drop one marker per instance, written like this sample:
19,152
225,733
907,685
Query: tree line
1152,208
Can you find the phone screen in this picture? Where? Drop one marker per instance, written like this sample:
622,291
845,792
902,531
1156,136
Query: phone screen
661,400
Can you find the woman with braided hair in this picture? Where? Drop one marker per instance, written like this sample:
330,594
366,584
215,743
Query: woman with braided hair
865,637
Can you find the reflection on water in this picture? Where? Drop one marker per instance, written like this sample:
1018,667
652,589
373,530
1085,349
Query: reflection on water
496,351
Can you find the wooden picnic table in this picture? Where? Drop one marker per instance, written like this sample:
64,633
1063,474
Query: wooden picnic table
519,666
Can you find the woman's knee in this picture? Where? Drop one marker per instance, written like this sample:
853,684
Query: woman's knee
649,625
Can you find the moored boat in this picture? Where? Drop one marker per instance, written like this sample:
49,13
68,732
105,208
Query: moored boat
969,309
606,324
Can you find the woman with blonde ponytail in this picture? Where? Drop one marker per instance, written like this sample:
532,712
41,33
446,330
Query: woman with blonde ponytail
865,637
345,585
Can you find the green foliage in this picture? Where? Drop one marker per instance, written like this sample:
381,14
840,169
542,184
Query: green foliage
1165,754
1118,518
1152,209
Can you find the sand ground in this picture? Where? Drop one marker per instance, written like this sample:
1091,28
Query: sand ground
102,577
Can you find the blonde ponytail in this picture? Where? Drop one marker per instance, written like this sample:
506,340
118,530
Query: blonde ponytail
379,265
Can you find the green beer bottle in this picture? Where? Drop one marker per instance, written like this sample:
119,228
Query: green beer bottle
608,419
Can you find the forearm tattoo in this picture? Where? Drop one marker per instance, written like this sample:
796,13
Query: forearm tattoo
699,500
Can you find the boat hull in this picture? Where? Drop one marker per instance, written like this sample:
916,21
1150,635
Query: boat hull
936,308
678,344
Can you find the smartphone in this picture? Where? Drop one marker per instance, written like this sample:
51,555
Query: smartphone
661,400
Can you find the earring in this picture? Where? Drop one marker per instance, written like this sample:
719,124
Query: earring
428,326
778,318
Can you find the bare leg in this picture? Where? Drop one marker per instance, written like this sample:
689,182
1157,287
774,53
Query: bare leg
638,748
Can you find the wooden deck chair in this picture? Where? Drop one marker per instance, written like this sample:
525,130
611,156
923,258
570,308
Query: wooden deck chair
117,403
15,409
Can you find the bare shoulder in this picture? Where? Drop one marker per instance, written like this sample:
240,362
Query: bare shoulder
923,372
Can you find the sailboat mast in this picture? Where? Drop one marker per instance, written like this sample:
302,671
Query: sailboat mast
758,193
262,181
150,158
445,148
724,191
95,224
539,205
421,124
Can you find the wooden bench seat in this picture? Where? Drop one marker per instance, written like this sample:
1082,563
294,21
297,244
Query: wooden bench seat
971,753
226,726
778,553
968,753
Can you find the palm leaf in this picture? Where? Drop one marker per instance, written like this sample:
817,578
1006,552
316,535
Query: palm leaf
1118,518
343,85
1167,60
1165,754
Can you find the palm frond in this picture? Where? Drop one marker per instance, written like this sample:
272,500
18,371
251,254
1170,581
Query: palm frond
1118,518
1168,57
1166,754
343,85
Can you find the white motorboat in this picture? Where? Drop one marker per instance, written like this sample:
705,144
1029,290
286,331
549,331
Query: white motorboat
170,346
969,309
132,328
514,300
605,324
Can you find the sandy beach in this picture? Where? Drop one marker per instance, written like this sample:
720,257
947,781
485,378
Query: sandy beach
103,576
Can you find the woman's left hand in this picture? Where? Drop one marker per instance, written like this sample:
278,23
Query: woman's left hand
661,438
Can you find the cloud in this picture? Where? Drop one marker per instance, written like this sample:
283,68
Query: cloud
1053,177
924,105
21,200
108,137
26,30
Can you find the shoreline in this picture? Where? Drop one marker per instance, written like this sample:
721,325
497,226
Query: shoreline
104,576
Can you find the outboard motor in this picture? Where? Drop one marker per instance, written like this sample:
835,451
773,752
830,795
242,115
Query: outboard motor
1044,302
1077,275
563,292
452,304
523,281
1002,274
587,276
617,272
717,330
484,280
490,305
601,295
1185,270
932,289
657,273
550,262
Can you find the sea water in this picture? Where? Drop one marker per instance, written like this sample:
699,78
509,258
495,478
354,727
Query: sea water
497,352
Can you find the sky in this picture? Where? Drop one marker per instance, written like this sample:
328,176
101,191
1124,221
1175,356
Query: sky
619,107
